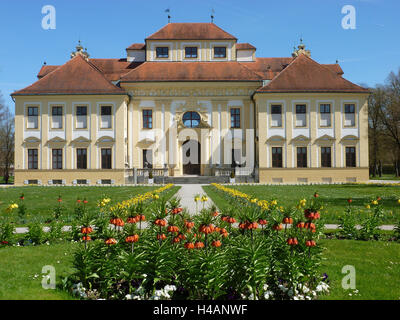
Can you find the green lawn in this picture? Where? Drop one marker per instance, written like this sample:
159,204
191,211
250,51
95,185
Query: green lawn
21,267
385,177
40,201
377,266
10,180
334,198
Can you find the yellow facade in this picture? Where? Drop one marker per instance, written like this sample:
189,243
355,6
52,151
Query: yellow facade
212,101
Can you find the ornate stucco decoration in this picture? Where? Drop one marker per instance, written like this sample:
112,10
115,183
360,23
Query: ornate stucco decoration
79,50
301,49
192,105
198,92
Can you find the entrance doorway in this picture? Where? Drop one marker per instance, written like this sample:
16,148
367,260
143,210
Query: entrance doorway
191,160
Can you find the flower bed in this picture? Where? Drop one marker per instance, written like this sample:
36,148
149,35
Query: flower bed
201,257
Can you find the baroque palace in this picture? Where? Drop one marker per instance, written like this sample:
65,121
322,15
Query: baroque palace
189,101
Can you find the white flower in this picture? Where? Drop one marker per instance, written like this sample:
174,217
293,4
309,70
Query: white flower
265,287
128,297
268,294
283,288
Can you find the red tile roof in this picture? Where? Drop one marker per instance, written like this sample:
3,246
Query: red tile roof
191,31
306,75
268,68
245,46
137,46
113,69
191,71
46,70
77,76
335,68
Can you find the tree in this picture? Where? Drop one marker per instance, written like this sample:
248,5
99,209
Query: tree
6,140
377,99
390,113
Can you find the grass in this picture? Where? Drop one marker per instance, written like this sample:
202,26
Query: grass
21,264
40,201
334,198
377,266
10,180
385,177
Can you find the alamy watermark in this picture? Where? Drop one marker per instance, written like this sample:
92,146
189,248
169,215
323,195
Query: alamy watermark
48,277
349,20
49,20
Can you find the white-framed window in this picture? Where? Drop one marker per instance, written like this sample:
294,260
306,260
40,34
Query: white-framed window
349,115
33,118
301,115
81,117
191,52
56,117
105,117
325,115
162,52
276,115
219,52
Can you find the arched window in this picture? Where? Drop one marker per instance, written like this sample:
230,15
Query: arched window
191,119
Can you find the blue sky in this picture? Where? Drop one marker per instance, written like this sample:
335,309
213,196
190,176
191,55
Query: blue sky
106,27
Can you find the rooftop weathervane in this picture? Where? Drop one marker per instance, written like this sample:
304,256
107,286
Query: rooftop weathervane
169,17
212,15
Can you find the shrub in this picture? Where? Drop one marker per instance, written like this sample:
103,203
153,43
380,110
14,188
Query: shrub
35,235
6,233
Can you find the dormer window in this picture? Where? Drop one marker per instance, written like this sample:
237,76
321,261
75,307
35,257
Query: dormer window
162,52
219,52
191,52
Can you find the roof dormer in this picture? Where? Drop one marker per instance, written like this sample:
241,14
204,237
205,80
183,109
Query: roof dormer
245,52
136,52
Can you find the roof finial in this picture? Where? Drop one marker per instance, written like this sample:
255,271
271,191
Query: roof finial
79,51
212,15
337,61
301,49
168,11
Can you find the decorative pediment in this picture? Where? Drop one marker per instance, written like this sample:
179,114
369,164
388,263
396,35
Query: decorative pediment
32,140
105,140
56,140
276,139
326,138
80,140
350,138
301,139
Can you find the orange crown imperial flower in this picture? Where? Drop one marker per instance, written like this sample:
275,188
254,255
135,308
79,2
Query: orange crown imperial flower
131,239
86,230
216,243
161,236
160,222
292,242
111,241
173,229
199,245
189,245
